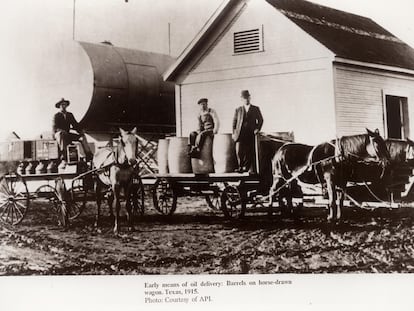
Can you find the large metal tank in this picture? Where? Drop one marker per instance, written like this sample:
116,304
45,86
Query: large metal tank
128,90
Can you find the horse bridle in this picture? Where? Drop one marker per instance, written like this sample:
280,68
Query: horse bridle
115,153
407,151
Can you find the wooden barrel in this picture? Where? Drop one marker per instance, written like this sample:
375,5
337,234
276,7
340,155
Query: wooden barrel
204,163
178,158
162,156
224,153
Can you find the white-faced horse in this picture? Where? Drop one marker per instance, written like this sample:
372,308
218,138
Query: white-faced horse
118,169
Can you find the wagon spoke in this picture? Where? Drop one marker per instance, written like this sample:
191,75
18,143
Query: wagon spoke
12,213
21,205
78,200
5,187
16,213
22,198
8,212
232,203
165,200
3,202
5,209
17,209
11,189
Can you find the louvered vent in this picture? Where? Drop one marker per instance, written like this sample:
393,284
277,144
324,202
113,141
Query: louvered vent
248,41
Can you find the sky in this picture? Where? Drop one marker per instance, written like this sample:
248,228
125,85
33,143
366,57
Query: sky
37,45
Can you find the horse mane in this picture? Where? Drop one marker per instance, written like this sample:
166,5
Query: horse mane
353,145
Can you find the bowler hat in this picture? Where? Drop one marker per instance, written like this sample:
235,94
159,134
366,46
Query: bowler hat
245,94
202,100
57,105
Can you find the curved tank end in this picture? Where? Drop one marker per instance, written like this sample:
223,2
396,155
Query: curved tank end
128,90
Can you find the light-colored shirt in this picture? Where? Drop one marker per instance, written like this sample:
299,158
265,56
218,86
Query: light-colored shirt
205,118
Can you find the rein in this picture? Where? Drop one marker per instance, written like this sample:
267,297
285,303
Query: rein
116,151
300,172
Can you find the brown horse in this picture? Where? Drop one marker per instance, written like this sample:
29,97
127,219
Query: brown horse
329,164
401,151
118,169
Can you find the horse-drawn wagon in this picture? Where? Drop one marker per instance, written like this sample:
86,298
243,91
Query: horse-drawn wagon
68,187
66,192
224,190
364,169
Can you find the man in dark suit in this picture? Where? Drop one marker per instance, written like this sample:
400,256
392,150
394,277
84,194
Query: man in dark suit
247,122
63,122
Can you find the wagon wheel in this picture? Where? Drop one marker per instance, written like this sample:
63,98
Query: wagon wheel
232,203
137,197
78,198
48,195
14,199
61,193
213,201
164,197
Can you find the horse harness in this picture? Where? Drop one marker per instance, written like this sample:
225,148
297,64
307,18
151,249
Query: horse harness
339,157
115,151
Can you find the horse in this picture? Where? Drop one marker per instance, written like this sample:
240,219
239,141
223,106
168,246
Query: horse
116,169
401,151
329,164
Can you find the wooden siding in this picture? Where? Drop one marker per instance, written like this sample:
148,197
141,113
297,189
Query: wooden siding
297,102
359,97
291,80
284,42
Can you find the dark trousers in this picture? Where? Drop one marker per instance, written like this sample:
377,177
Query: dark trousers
196,139
64,139
246,152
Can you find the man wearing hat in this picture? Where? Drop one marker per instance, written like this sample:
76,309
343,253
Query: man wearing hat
63,121
247,122
208,125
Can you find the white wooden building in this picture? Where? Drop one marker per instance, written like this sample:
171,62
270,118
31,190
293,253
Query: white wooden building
312,70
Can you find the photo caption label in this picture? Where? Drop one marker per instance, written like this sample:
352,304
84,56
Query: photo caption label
196,291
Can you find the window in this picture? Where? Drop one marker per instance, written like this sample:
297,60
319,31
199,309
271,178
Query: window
396,117
248,41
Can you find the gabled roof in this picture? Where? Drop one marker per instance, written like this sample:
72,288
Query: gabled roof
347,35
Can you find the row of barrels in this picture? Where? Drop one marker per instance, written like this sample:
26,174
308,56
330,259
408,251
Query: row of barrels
40,167
217,155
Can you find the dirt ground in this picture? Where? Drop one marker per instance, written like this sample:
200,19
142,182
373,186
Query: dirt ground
198,240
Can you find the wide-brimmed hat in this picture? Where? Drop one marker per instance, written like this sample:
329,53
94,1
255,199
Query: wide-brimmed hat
245,94
60,102
202,100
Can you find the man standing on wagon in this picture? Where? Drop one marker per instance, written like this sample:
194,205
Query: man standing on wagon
63,122
208,125
247,123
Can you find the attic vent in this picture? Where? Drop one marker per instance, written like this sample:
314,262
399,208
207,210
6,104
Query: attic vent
248,41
